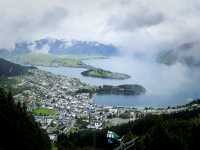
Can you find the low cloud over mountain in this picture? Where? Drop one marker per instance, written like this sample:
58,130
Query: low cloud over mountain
57,46
187,53
132,25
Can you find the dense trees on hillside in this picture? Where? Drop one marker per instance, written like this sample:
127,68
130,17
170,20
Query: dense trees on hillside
12,69
177,131
18,128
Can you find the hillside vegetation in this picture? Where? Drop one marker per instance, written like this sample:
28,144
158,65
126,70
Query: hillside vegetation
176,131
125,89
100,73
11,69
39,59
18,127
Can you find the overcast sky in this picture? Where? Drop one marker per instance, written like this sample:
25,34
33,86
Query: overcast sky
132,25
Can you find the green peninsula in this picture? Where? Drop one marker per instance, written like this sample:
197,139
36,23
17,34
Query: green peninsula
100,73
125,89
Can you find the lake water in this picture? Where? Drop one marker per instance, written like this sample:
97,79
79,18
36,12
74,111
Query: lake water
166,86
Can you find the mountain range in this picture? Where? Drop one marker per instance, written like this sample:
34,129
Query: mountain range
59,46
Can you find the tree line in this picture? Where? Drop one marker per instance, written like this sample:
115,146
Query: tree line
18,128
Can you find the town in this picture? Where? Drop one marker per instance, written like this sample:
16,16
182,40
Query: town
58,105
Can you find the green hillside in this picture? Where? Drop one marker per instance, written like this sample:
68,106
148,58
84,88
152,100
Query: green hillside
175,131
11,69
40,59
18,127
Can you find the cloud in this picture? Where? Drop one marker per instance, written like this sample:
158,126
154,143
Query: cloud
144,26
25,21
132,21
187,53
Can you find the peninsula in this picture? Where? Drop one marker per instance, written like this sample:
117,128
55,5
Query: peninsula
125,89
100,73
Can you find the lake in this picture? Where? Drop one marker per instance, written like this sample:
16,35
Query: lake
166,85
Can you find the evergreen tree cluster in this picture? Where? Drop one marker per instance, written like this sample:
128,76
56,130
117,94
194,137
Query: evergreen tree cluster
11,69
176,131
18,128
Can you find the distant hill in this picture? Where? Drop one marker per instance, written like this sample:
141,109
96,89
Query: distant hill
4,52
11,69
124,89
57,46
187,54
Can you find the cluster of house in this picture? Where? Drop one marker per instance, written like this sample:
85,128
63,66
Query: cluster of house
59,93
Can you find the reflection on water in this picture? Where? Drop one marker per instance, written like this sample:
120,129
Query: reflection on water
165,85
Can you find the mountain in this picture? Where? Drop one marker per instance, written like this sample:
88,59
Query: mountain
11,69
57,46
186,53
4,51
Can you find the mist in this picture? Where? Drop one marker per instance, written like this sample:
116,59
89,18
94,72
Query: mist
131,25
166,85
139,29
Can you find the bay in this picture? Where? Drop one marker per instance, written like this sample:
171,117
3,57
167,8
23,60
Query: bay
166,85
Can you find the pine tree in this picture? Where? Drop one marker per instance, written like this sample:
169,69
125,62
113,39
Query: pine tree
18,128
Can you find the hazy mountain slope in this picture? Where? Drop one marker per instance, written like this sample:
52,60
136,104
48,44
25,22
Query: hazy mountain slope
187,53
56,46
11,69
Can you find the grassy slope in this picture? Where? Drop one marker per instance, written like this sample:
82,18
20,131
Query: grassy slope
11,69
100,73
44,112
45,60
